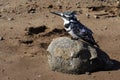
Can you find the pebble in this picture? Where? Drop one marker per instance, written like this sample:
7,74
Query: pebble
87,73
96,17
88,15
109,72
106,27
1,4
11,27
3,70
26,41
60,7
53,16
1,38
10,19
39,76
3,10
0,15
30,0
50,6
118,2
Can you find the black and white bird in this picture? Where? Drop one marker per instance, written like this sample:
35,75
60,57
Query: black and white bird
76,29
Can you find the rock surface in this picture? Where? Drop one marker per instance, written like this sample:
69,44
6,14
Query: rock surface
72,56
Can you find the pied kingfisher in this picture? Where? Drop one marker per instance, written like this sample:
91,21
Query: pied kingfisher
76,29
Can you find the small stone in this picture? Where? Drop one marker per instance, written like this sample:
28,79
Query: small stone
50,6
116,39
0,15
3,10
53,16
27,79
26,41
109,72
32,10
106,27
1,4
118,2
8,78
87,73
78,4
93,76
88,15
11,27
30,0
1,38
3,70
10,19
60,7
39,76
47,16
96,17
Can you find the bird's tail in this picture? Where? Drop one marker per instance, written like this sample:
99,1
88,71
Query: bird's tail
93,41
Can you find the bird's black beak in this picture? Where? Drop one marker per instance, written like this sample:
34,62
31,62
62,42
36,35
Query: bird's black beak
57,13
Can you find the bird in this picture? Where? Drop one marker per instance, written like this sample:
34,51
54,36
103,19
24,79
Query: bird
75,28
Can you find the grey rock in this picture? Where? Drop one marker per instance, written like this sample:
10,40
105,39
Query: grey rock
74,56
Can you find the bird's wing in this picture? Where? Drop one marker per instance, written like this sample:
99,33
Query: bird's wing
87,29
80,30
83,32
75,28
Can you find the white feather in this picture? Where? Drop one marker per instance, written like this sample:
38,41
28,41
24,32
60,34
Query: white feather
66,21
73,34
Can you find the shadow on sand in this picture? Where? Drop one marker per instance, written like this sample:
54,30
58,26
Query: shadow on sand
109,64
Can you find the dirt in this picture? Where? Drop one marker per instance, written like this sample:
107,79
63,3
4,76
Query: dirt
27,27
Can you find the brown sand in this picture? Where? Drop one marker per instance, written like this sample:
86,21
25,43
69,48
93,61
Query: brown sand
23,53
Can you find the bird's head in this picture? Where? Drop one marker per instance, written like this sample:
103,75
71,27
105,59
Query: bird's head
66,16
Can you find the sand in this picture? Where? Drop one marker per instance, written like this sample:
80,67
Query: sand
27,27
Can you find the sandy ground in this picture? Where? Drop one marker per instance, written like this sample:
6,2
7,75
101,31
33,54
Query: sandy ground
27,27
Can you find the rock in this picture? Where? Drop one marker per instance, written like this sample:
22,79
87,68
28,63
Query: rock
60,7
3,10
26,41
30,0
118,4
1,38
106,27
87,73
88,15
96,17
32,10
10,19
50,6
0,15
74,56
